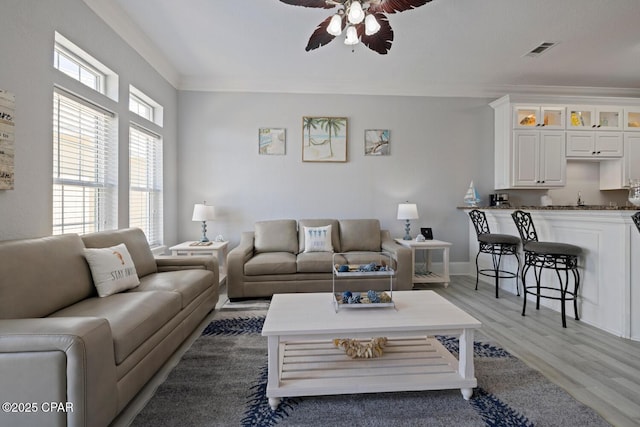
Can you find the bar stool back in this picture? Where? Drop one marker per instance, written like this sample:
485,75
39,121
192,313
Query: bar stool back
560,257
495,245
636,219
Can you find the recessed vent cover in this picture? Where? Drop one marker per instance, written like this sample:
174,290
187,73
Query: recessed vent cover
540,49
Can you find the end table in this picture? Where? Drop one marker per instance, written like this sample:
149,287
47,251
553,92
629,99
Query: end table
428,276
217,249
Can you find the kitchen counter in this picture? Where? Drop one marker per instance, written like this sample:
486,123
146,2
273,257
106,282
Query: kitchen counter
609,295
558,208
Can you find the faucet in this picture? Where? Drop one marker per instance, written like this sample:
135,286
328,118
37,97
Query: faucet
580,201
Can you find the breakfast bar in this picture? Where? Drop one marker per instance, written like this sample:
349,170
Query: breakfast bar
609,296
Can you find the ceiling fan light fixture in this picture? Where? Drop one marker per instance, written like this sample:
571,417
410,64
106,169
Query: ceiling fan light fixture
335,25
352,36
355,13
371,25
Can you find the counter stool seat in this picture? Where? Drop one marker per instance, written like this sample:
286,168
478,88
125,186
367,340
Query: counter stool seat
560,257
495,245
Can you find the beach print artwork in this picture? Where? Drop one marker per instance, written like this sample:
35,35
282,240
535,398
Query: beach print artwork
376,142
324,139
272,141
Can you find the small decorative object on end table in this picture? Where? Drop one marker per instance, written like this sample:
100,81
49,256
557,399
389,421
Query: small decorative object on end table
195,248
428,276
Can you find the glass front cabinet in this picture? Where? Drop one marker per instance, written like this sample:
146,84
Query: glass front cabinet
594,118
527,117
632,119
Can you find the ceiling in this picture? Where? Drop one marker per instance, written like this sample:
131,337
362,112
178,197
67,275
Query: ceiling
444,48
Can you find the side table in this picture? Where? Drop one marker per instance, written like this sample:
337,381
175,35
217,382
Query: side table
217,249
428,276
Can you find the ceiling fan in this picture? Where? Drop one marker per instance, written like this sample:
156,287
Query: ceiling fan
364,21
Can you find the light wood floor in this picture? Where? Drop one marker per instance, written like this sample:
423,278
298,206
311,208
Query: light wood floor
597,368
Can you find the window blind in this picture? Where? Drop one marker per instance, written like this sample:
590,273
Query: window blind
145,183
84,166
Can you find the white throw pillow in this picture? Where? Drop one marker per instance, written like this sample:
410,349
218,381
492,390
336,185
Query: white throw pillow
317,239
112,269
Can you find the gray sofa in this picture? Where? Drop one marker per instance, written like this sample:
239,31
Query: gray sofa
61,343
272,258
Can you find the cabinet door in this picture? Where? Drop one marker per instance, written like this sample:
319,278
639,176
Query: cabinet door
553,117
608,118
580,144
609,144
526,117
549,117
632,119
526,158
580,117
553,163
631,164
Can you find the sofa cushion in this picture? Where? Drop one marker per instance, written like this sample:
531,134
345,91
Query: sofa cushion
136,243
317,262
276,236
335,231
112,269
40,276
317,239
360,235
187,283
271,263
132,316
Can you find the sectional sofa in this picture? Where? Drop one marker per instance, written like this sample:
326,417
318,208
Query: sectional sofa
70,357
281,256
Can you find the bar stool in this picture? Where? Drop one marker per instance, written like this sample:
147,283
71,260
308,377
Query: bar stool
495,245
548,255
636,219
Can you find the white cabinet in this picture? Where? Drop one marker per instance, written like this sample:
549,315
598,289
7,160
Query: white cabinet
632,119
615,174
539,159
594,145
549,117
598,118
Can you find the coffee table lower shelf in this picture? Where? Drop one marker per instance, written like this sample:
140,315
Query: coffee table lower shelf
314,368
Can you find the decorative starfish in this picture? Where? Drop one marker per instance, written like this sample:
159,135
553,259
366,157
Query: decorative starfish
377,34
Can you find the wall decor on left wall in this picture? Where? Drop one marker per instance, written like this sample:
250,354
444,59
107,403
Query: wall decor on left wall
7,135
272,141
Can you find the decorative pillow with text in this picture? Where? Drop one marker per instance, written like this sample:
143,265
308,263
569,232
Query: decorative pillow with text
112,269
317,239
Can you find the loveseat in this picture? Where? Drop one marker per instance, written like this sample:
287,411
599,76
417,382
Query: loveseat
69,357
278,256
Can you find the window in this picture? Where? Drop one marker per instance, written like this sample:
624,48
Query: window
84,166
145,107
145,183
75,68
141,108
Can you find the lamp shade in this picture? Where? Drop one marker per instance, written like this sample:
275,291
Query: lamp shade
407,211
202,212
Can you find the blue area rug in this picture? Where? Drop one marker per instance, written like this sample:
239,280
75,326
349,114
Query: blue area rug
221,381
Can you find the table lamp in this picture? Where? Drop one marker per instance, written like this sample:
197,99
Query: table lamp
407,211
203,212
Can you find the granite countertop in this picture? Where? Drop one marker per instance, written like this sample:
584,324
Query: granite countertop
561,208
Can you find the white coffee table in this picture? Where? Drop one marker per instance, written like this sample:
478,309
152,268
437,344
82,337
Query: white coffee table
304,362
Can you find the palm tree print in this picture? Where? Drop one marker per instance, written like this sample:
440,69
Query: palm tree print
332,125
309,123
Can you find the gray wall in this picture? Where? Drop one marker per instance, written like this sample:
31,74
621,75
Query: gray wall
26,48
438,145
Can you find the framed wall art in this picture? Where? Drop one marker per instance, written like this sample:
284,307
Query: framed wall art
272,141
376,142
324,139
7,133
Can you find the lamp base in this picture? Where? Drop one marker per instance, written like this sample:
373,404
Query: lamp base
204,238
407,228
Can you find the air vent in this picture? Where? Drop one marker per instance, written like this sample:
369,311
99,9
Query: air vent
540,49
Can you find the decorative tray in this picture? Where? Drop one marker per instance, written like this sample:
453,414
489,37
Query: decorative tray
370,299
372,269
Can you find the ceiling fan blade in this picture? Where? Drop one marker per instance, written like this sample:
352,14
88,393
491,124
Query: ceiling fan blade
393,6
310,3
320,36
380,41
